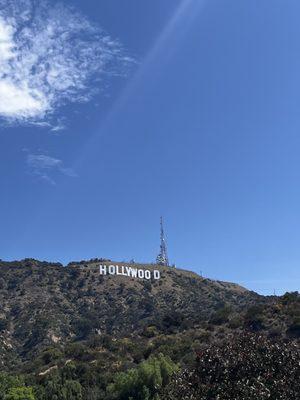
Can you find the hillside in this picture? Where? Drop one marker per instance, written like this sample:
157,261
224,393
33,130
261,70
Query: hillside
53,315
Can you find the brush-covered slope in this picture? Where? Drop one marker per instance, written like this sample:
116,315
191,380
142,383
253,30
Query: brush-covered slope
47,306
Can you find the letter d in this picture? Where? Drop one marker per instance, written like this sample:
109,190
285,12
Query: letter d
156,274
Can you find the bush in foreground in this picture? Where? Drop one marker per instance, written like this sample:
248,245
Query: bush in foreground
249,367
145,381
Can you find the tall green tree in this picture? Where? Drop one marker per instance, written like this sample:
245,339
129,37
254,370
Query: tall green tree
13,388
20,393
145,381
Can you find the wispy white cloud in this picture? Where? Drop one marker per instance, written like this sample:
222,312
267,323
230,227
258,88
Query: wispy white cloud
46,168
50,55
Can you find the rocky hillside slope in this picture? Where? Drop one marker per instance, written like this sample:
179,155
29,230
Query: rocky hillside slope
47,308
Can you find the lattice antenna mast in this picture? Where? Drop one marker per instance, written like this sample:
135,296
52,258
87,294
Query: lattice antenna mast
162,258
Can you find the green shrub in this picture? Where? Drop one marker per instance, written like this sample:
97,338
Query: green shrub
221,316
51,355
13,388
20,393
290,297
247,366
145,381
254,319
294,329
3,324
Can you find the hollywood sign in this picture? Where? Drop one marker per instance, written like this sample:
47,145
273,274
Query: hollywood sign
129,271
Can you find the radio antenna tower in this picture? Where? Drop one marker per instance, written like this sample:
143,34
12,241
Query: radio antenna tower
162,258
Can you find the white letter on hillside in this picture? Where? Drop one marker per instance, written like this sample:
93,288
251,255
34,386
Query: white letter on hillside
156,274
118,272
123,271
133,272
147,274
102,269
141,273
112,270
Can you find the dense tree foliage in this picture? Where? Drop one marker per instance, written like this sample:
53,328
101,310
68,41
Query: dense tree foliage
72,383
20,393
13,388
248,367
144,382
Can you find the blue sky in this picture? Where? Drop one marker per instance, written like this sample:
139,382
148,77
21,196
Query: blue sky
115,112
